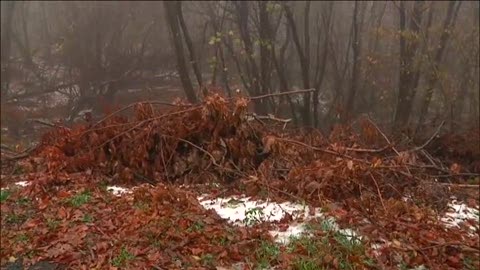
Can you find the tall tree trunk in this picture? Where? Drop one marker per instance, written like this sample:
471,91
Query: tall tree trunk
356,66
189,43
433,77
6,46
173,24
217,26
323,62
468,72
368,88
408,70
46,37
265,34
280,67
242,10
304,63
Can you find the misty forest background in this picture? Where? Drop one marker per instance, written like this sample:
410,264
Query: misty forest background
408,65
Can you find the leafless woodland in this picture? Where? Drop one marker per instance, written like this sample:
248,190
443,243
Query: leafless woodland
408,65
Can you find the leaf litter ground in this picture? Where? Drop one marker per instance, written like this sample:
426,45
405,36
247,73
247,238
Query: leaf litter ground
304,201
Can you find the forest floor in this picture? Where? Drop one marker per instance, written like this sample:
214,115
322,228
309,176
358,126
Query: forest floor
211,186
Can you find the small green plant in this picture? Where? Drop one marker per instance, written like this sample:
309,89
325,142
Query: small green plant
52,224
21,238
266,254
15,218
80,199
24,201
208,260
350,242
223,241
306,242
87,218
153,239
197,226
4,194
306,264
253,216
310,227
123,258
328,225
141,205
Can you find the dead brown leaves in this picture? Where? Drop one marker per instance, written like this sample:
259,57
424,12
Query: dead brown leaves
362,174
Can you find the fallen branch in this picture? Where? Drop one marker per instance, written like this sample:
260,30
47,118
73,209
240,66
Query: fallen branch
46,123
361,150
21,155
379,193
131,106
429,140
383,135
283,93
129,123
461,185
270,117
326,151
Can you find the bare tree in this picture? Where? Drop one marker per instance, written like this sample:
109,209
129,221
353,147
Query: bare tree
6,33
433,76
171,14
321,57
303,55
408,70
189,43
356,49
76,50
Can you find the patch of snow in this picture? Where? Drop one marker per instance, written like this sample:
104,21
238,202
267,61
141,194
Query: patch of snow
459,213
243,211
238,210
421,267
118,191
22,183
293,230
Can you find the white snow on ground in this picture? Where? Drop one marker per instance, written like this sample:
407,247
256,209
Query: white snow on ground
118,191
239,210
460,212
243,211
22,183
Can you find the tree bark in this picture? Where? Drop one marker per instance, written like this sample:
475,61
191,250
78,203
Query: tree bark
323,62
6,46
408,70
265,34
175,37
242,11
304,63
433,77
368,88
189,43
356,65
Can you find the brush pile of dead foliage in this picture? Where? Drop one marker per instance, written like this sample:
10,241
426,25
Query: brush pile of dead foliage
389,192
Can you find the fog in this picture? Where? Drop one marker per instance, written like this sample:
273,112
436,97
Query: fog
408,65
